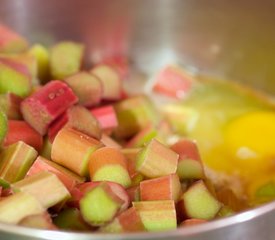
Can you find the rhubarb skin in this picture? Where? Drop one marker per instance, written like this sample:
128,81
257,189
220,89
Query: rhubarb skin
79,147
10,105
44,106
109,164
21,131
157,215
127,221
156,160
198,202
54,191
16,160
68,178
15,78
133,115
87,87
10,41
38,221
163,188
190,165
18,206
65,59
111,82
106,117
173,81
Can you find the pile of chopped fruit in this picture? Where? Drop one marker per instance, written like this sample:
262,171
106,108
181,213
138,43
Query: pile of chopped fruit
81,153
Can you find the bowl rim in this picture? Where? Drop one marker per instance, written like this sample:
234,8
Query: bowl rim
246,216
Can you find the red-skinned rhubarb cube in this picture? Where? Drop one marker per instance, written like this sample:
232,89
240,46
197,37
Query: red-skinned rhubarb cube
173,81
10,41
87,87
156,160
190,165
68,178
78,150
111,81
157,215
163,188
120,64
10,105
78,118
44,106
21,131
109,164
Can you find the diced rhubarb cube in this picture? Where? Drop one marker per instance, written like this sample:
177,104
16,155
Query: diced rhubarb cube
133,115
157,215
18,206
38,221
156,160
106,117
198,202
10,105
120,64
100,205
87,87
162,188
173,81
71,219
109,164
68,178
10,41
73,149
190,165
16,160
111,81
44,106
65,59
109,142
44,186
78,118
127,221
15,78
21,131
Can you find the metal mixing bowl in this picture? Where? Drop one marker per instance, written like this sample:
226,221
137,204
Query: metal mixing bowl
232,39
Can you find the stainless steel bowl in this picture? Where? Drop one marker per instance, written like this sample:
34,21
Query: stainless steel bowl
232,39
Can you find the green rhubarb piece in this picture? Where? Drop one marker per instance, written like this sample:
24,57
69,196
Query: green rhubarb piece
46,148
71,219
199,202
190,169
3,127
54,191
15,161
225,211
157,215
12,79
265,193
133,115
65,59
10,105
18,206
98,207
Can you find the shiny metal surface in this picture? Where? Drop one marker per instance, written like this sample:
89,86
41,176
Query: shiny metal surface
233,39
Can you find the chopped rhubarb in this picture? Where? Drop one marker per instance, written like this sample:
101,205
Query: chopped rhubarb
16,160
87,87
78,150
133,115
162,188
192,222
10,105
190,165
106,117
45,187
109,164
173,81
46,148
120,64
44,106
65,59
21,131
40,221
68,178
10,41
16,207
134,193
111,82
109,142
156,160
157,215
100,205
